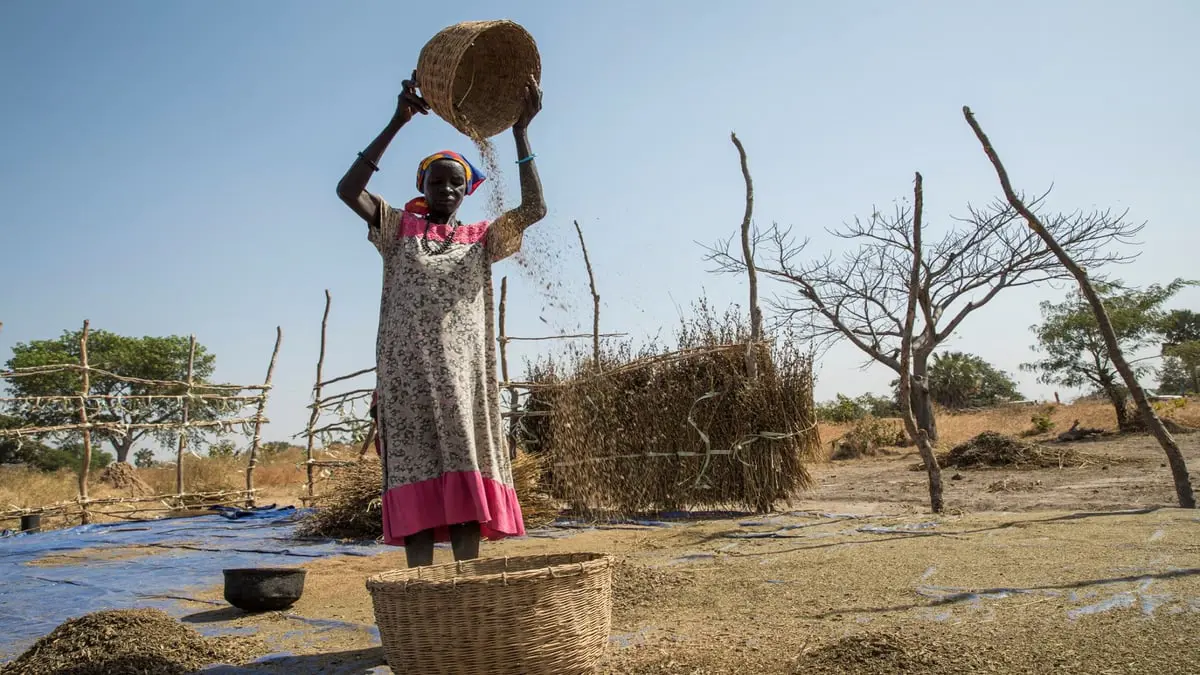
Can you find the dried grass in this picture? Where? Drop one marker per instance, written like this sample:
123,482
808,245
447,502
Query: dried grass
1014,420
991,449
25,487
869,437
351,508
538,508
130,642
280,478
675,430
995,450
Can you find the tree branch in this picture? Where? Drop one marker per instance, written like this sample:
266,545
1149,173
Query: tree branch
1183,486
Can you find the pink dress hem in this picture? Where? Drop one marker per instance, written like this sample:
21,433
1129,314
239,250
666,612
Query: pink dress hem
456,497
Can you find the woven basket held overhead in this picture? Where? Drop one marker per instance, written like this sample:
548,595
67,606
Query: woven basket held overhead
473,74
532,615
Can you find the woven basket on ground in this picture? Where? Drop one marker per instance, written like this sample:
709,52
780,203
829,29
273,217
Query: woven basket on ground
473,75
533,615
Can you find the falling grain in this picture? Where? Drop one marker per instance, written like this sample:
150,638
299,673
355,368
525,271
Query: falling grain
539,259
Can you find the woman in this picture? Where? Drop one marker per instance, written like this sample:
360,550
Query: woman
447,475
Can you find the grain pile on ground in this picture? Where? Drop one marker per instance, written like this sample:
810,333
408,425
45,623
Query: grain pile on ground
122,476
129,642
677,430
881,654
991,449
639,586
350,509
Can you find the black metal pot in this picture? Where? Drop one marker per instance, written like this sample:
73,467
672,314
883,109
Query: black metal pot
263,589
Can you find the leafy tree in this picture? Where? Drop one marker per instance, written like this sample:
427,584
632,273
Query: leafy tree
960,380
1180,371
844,409
272,448
1180,326
144,458
69,456
147,358
1073,350
15,450
224,449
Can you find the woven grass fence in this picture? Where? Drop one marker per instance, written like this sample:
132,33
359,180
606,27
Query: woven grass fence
680,430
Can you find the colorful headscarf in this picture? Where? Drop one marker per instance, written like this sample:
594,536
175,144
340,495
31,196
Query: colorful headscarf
474,176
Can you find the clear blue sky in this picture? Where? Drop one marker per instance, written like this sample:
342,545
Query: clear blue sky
169,168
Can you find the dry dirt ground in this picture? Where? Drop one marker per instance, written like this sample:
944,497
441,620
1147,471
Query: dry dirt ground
1078,570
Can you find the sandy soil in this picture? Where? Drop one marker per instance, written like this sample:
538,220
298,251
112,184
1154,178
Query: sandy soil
1135,476
1076,570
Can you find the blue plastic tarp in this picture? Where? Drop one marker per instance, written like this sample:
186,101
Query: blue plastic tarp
34,599
189,557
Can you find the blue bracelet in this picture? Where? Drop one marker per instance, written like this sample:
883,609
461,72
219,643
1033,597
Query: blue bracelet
527,159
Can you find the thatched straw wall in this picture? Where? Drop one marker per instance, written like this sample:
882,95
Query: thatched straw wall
675,431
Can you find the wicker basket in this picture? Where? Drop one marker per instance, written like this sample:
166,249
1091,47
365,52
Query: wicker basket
532,615
473,75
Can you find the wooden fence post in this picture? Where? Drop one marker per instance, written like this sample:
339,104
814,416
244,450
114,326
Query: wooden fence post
85,517
183,431
258,420
316,407
502,339
587,262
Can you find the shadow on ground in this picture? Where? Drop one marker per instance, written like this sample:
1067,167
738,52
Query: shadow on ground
352,662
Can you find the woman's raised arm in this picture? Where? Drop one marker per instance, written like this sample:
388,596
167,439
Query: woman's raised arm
352,188
506,234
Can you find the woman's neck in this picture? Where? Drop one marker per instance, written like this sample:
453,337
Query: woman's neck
439,218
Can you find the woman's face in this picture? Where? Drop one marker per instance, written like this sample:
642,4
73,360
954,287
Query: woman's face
445,187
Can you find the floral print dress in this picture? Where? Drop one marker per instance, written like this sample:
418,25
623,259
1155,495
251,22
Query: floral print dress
442,447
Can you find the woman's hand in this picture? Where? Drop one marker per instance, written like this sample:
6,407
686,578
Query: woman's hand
533,104
409,103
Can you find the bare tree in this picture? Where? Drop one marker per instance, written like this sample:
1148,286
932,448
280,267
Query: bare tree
748,254
1078,270
861,296
918,435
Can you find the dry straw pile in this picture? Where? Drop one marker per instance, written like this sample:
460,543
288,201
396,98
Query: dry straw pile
351,507
130,642
537,507
658,430
991,449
